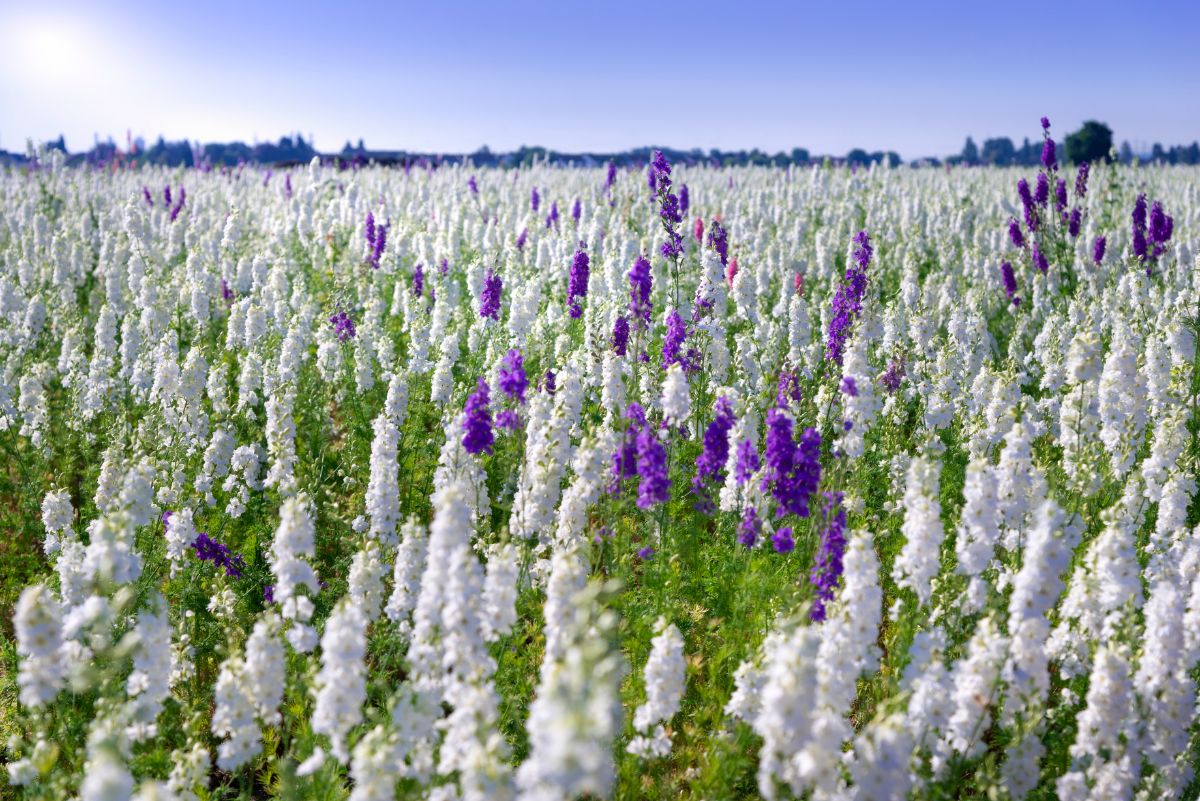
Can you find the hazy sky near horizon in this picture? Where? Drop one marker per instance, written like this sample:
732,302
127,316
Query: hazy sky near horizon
451,76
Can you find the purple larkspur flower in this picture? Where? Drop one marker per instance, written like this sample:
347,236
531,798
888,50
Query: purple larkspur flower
620,336
1060,194
552,217
208,549
718,240
793,469
534,199
343,326
640,285
849,387
576,210
369,230
710,464
226,292
474,187
1160,224
146,195
749,528
893,375
684,199
179,204
645,553
673,341
548,382
1081,180
1039,259
167,195
1041,191
512,380
787,388
287,186
1045,123
847,302
654,486
508,419
269,593
477,427
577,282
827,566
1139,212
1010,283
782,540
418,280
1139,243
747,462
1014,233
489,298
1074,222
1048,156
1098,248
521,237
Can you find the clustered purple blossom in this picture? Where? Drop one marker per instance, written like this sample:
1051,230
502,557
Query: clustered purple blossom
1010,283
521,237
710,464
782,540
1041,194
893,375
489,298
1098,248
209,550
548,382
376,240
749,528
1081,180
477,427
793,469
418,281
1039,259
343,326
513,381
718,240
659,177
179,204
576,210
673,341
640,285
747,462
827,567
684,199
534,199
474,187
787,389
552,217
641,454
1160,229
620,336
847,302
654,487
577,283
849,387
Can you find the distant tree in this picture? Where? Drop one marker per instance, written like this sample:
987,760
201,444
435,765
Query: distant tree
970,153
1126,154
857,156
1157,154
799,155
1092,142
998,151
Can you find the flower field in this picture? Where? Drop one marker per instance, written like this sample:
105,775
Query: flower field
554,483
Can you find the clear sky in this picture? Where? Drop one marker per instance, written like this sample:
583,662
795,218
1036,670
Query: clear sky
450,76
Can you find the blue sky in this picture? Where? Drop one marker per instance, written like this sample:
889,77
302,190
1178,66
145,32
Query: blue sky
452,76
